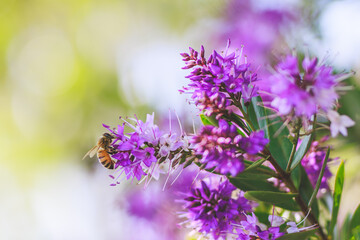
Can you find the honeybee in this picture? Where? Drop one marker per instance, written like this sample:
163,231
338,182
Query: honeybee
103,148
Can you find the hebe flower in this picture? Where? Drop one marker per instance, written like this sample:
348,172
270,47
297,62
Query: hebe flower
223,147
212,209
339,123
251,226
213,80
304,90
138,153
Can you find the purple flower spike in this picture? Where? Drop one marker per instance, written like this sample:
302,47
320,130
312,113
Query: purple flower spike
223,148
212,210
146,151
213,80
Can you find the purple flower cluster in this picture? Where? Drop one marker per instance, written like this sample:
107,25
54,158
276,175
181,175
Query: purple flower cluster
303,90
242,15
216,209
144,152
250,228
212,209
214,79
312,163
223,148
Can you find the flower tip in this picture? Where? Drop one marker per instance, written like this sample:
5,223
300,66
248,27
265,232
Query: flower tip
202,51
228,43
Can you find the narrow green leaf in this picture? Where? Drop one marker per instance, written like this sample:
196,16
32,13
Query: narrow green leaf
251,184
302,150
296,176
208,120
257,115
255,164
279,199
253,174
355,220
240,122
317,186
279,146
299,155
339,183
251,112
261,172
345,232
299,235
262,167
306,189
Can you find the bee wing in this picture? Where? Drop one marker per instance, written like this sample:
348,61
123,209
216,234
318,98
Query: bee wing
92,151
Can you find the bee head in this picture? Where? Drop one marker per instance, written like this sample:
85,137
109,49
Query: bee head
108,135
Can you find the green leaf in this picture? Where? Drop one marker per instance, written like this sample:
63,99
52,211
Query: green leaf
262,167
306,189
317,187
302,150
208,120
345,232
240,122
339,183
251,111
255,164
252,184
299,235
296,176
356,233
257,115
279,146
355,220
253,174
279,199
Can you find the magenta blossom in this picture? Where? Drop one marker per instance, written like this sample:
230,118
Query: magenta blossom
217,79
223,147
306,90
212,209
144,152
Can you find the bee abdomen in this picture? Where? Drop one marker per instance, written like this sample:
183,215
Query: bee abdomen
105,159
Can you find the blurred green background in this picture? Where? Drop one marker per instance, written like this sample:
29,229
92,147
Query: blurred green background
58,72
66,67
59,81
